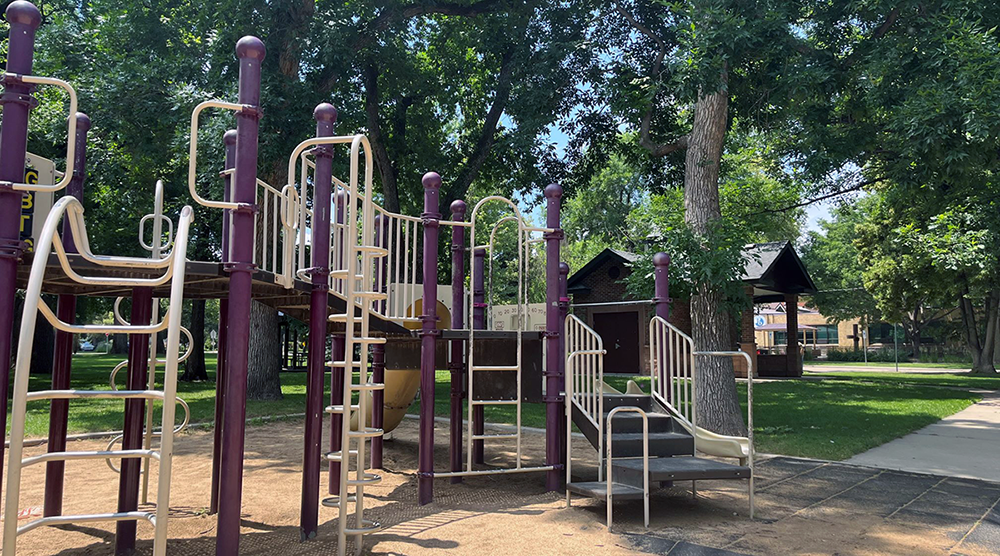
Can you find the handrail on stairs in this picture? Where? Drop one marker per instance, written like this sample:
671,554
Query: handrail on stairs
645,460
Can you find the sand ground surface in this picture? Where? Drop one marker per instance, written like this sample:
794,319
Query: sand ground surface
803,507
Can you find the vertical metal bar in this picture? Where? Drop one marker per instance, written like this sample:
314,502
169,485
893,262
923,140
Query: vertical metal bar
521,301
229,140
338,348
326,116
128,479
428,335
63,353
250,51
477,414
23,18
458,208
378,350
553,397
563,311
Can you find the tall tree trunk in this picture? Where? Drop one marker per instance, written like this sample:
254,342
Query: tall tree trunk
263,381
119,344
981,343
41,350
718,405
194,367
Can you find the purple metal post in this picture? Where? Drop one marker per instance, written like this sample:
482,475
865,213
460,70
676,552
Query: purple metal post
553,377
337,353
250,51
326,117
428,337
16,101
138,364
229,140
457,366
478,323
563,311
63,353
378,350
661,303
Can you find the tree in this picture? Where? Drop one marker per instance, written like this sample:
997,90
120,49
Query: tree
194,366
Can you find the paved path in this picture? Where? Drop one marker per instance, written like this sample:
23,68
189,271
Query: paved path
966,444
888,368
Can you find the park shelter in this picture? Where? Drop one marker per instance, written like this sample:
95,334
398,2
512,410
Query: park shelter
773,272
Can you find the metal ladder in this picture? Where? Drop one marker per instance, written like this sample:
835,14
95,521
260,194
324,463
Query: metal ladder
362,299
172,267
157,246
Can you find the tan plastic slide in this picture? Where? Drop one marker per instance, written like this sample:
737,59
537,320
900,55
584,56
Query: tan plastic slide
400,389
708,442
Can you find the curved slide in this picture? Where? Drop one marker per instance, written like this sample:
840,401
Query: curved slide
707,441
400,389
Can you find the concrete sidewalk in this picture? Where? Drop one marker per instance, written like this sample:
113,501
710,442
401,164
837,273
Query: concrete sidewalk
887,368
966,444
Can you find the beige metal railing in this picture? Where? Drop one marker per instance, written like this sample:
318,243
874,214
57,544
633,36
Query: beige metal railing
66,174
172,267
671,364
584,386
645,462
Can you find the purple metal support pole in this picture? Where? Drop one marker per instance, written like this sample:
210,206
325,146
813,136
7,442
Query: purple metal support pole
338,349
661,303
457,366
563,311
63,354
428,339
478,323
326,117
16,101
229,139
250,51
138,365
553,377
378,350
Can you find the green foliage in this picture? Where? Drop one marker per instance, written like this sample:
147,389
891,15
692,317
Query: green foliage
874,356
831,256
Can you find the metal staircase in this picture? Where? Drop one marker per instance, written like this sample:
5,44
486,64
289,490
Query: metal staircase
171,270
648,446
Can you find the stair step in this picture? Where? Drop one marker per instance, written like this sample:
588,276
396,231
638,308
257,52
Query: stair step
687,468
643,402
632,422
599,489
628,445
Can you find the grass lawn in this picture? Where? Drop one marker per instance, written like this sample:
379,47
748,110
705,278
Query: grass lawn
959,380
831,419
889,364
91,372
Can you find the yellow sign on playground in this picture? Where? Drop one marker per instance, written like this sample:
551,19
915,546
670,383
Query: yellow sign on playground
35,205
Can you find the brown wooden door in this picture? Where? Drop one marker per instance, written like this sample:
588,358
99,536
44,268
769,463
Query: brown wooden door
620,333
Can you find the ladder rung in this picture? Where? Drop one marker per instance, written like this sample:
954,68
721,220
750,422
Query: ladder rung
369,341
94,394
334,501
97,454
341,317
373,250
336,456
375,296
342,274
369,479
340,408
369,527
366,432
493,436
367,386
496,368
88,518
494,402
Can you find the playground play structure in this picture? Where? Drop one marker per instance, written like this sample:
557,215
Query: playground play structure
325,252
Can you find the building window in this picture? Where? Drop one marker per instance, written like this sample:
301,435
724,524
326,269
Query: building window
826,334
882,333
614,272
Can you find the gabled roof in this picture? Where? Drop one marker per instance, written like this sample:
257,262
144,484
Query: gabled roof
622,257
773,269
